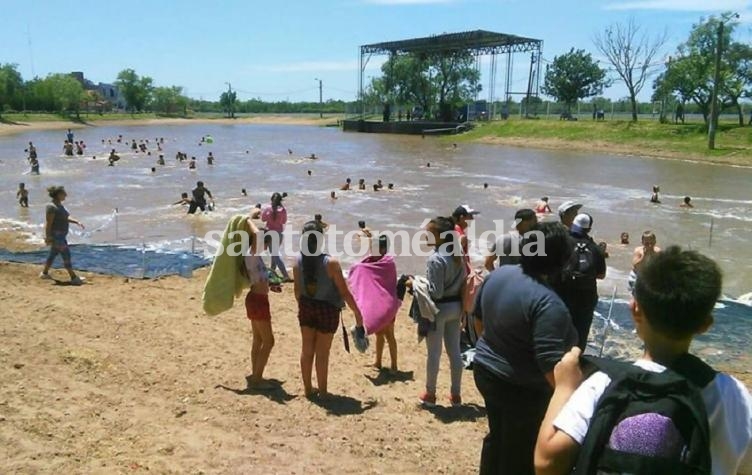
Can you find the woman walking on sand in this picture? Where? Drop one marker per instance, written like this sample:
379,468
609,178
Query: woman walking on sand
56,233
274,216
321,293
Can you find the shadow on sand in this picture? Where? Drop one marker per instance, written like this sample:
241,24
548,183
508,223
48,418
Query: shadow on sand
466,413
387,376
338,405
276,393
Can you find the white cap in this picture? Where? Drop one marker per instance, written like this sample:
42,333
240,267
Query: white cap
567,205
583,221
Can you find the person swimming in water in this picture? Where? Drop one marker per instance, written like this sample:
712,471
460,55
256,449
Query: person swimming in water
687,203
32,150
183,201
160,160
192,164
346,186
364,230
362,184
543,206
320,222
210,159
23,195
333,195
113,157
654,198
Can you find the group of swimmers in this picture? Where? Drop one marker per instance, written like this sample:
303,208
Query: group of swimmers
656,199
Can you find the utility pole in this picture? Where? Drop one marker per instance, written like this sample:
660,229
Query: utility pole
321,98
231,101
716,82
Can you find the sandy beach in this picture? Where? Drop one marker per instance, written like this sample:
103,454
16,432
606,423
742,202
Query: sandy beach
129,376
276,119
124,376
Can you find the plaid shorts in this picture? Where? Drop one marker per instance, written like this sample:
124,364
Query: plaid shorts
319,315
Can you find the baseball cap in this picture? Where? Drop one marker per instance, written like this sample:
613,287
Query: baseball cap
568,205
465,210
583,221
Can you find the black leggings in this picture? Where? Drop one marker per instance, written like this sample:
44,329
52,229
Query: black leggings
514,416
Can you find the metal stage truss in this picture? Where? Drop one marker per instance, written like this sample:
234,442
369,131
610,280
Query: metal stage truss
479,43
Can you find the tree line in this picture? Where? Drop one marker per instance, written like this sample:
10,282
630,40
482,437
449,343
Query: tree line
439,85
687,77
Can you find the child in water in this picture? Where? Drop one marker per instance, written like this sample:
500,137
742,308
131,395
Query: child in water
23,195
183,200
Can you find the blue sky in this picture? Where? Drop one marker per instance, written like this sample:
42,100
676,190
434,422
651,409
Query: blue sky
274,50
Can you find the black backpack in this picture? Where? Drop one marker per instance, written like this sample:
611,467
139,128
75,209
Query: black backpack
668,404
581,266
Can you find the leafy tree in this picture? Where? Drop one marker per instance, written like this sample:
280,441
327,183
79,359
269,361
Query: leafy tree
11,85
169,100
446,81
690,76
631,53
136,90
67,92
574,76
227,99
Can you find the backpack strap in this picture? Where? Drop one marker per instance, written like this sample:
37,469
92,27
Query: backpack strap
687,366
694,370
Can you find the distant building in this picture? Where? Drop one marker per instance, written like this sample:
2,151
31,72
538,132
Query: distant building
109,93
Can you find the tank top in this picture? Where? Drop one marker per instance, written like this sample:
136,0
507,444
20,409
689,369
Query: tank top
323,289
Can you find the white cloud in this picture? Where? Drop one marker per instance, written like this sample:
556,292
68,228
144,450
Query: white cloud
682,5
318,66
407,2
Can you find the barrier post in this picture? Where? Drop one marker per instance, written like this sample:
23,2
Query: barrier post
143,259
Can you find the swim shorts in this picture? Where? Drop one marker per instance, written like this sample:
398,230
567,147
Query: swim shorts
319,315
257,306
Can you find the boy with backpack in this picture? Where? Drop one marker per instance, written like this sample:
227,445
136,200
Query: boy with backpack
668,412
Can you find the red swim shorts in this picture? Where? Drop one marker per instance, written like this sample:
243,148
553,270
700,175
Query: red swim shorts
257,306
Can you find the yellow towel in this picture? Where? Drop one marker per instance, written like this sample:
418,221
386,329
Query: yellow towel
226,281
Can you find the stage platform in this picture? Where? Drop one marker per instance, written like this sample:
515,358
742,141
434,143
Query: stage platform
413,127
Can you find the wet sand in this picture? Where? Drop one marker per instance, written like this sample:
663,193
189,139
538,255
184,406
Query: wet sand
269,119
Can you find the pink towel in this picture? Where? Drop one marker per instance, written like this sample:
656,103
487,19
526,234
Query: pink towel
373,283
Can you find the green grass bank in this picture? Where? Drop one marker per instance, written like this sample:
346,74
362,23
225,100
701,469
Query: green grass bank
646,138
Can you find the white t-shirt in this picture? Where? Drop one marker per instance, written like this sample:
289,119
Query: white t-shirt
256,269
727,402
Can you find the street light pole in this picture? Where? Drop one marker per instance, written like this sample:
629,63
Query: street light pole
321,98
714,96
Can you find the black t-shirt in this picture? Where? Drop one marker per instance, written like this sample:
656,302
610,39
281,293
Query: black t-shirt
526,327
